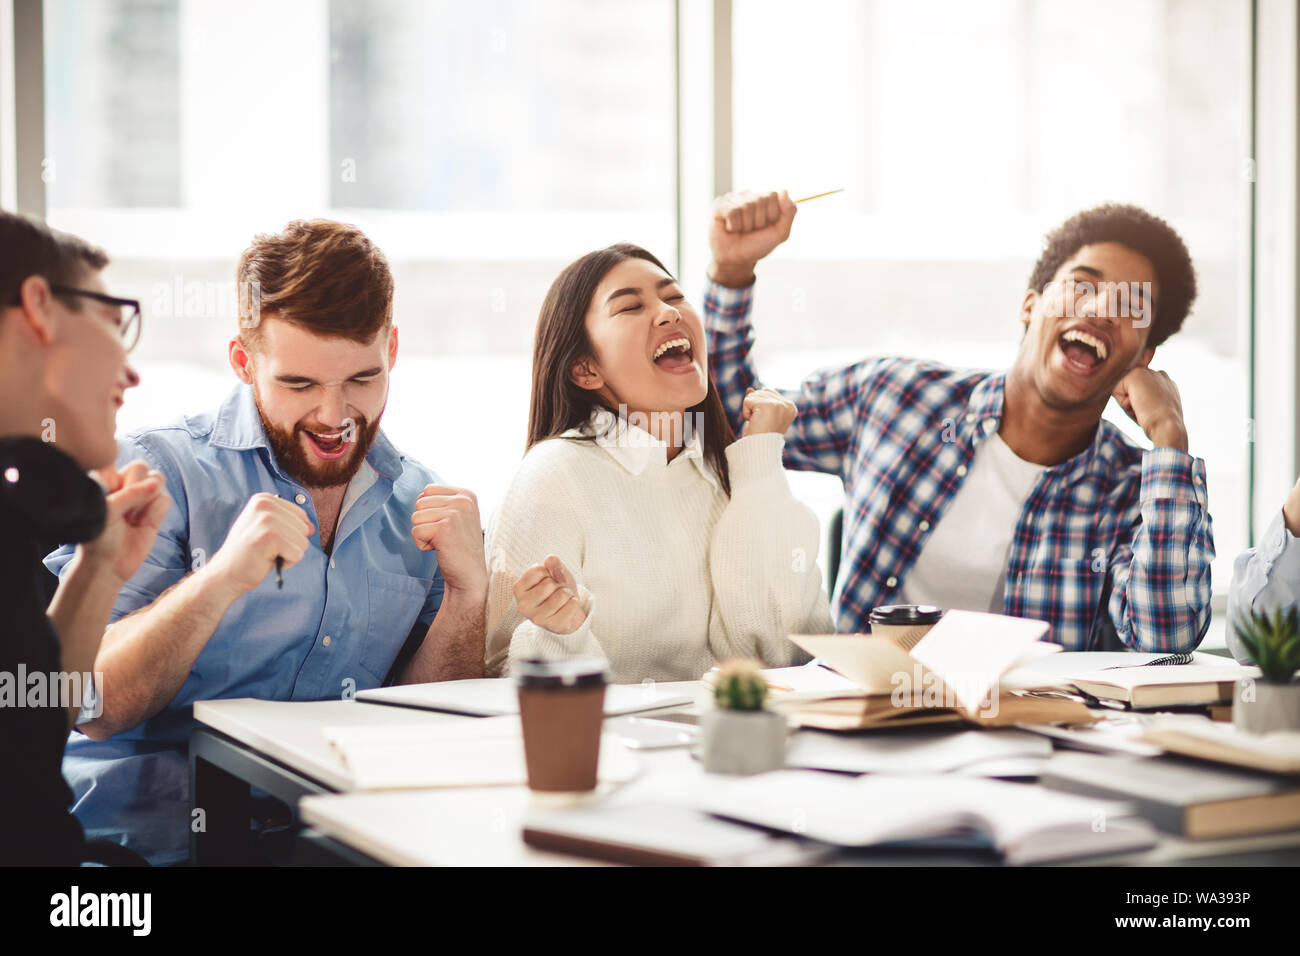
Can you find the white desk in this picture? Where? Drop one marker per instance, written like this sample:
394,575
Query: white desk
481,826
278,746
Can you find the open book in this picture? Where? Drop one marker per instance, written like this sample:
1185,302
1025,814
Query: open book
956,673
1027,824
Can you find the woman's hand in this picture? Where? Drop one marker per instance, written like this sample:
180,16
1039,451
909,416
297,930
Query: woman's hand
547,595
766,410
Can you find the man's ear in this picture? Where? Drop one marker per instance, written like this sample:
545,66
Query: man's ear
392,348
1027,307
36,297
240,360
584,374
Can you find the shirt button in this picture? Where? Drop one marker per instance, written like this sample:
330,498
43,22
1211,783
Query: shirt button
331,562
970,418
990,425
961,471
924,526
300,498
891,582
326,641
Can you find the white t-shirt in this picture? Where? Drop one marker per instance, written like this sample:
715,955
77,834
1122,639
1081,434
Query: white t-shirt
963,565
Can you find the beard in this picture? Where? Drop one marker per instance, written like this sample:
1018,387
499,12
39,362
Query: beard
299,464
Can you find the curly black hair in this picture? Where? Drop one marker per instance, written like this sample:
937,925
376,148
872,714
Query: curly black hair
1140,231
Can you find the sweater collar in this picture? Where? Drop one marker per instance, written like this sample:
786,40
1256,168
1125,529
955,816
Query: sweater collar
635,449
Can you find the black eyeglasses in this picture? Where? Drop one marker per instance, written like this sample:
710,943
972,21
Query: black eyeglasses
128,325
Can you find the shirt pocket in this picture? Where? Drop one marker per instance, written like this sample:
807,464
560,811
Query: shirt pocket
395,601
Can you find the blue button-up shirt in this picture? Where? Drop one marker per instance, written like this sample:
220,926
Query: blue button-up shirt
336,627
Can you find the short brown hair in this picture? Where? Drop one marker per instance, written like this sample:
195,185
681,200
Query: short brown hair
320,275
32,248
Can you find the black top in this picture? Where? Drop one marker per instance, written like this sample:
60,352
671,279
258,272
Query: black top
45,500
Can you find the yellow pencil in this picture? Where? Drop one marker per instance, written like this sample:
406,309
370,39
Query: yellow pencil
828,192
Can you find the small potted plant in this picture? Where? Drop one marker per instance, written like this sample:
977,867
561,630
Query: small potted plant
1271,702
739,736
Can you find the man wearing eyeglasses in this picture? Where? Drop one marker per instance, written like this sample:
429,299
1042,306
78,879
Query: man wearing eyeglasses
63,372
287,568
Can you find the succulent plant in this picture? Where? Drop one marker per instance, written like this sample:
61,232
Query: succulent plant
1272,641
740,685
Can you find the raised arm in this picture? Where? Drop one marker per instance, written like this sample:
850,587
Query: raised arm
96,570
446,520
763,561
743,230
1160,598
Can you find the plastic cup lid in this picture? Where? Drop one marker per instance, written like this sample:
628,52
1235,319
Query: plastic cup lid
570,672
905,614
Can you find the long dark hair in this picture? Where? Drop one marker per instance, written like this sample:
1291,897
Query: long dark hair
558,404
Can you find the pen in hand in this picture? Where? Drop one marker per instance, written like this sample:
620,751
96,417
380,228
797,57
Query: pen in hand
279,568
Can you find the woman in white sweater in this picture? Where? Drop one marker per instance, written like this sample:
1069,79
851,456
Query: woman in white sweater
639,528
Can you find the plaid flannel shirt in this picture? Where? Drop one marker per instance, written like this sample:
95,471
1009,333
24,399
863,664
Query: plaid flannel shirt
1112,548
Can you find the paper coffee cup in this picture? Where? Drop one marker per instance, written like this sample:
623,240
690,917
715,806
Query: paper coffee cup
904,624
562,711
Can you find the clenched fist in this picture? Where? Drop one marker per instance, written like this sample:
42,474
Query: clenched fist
446,520
1151,399
766,410
547,595
137,503
744,228
267,528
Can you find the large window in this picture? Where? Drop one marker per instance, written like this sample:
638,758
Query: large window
482,146
485,145
963,132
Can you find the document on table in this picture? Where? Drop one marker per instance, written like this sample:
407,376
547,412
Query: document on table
1028,824
472,753
916,751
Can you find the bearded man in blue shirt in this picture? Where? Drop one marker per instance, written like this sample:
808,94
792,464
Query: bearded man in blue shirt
286,568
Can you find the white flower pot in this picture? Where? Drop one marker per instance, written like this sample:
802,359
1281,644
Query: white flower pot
742,741
1259,707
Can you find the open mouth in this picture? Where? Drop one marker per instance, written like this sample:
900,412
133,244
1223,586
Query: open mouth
675,355
1083,351
328,445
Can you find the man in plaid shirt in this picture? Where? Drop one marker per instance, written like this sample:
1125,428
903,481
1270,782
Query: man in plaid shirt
1007,491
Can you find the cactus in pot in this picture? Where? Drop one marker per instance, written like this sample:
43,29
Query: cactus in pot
739,736
1271,702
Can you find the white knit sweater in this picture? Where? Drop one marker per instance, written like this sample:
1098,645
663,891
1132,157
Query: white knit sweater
675,575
